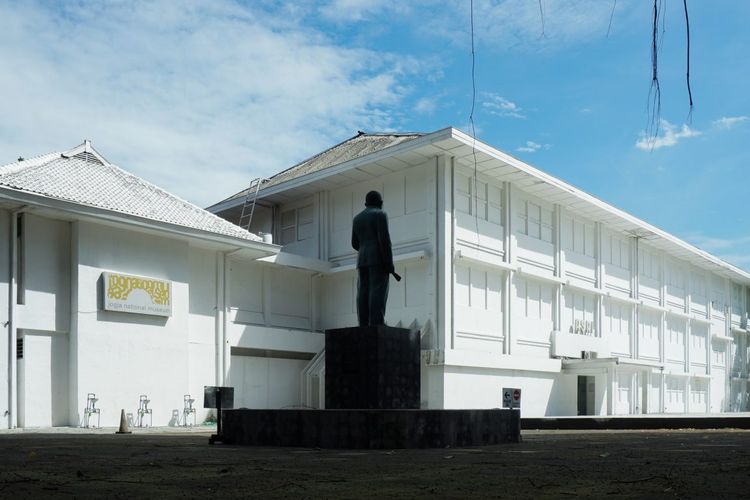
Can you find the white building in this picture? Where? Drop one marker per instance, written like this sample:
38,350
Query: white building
515,278
112,286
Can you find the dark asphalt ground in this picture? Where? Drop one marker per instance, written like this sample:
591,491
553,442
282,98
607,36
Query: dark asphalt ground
547,464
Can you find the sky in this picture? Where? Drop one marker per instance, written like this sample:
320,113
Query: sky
202,97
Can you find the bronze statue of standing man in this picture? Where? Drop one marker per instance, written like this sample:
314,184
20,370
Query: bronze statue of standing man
371,240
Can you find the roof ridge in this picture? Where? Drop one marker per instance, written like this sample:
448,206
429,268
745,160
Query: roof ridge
27,163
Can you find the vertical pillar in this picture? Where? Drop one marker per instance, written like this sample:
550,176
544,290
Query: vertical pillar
558,263
219,318
509,256
444,252
73,359
599,265
634,292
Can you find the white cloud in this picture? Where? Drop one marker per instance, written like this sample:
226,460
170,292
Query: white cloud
359,10
670,136
500,106
425,106
727,122
504,24
177,92
533,147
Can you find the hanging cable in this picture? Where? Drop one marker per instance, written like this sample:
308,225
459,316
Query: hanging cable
471,122
611,15
541,15
654,93
687,74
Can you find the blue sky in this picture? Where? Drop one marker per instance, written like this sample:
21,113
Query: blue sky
200,97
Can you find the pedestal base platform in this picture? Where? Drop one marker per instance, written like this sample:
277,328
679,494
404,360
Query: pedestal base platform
371,429
372,367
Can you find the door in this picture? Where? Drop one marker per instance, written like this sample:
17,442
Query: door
586,392
43,380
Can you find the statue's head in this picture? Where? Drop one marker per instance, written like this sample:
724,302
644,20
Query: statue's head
373,199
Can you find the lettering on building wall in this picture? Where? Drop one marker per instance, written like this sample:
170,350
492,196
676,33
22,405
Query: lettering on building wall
137,294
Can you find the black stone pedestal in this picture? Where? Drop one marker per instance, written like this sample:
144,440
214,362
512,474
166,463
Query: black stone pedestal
372,367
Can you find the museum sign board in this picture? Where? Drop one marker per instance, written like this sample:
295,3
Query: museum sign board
137,294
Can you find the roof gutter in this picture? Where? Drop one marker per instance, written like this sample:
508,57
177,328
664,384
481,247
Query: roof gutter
23,197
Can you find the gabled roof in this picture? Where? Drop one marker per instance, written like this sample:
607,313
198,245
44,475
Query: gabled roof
360,145
84,177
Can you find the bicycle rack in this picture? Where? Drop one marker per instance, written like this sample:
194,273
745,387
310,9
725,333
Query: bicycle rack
144,410
91,409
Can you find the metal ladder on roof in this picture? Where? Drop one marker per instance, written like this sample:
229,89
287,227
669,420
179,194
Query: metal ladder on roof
248,207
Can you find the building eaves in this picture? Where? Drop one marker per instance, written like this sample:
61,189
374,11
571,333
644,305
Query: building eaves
357,146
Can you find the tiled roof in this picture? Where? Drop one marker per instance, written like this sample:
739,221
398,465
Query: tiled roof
360,145
83,177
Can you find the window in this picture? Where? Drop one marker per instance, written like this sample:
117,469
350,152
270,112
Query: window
718,299
619,252
488,203
297,224
649,325
648,264
580,238
736,299
675,276
698,338
676,331
699,285
537,299
535,221
619,318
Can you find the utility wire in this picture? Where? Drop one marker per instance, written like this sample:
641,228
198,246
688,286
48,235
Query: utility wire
687,75
611,15
471,121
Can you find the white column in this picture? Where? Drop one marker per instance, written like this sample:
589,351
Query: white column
444,253
508,289
73,359
634,294
558,261
599,263
219,317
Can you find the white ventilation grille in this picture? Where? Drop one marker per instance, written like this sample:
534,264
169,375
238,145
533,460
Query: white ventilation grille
86,156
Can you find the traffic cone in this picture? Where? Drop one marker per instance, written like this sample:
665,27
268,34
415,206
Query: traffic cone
123,424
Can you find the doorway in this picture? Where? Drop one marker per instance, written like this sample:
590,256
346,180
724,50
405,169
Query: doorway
586,388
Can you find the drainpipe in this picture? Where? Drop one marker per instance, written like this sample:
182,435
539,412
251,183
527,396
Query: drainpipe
12,329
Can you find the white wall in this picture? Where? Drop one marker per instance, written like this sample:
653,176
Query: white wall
202,334
264,382
46,270
120,355
541,393
407,199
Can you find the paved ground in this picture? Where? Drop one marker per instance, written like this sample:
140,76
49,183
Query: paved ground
547,464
